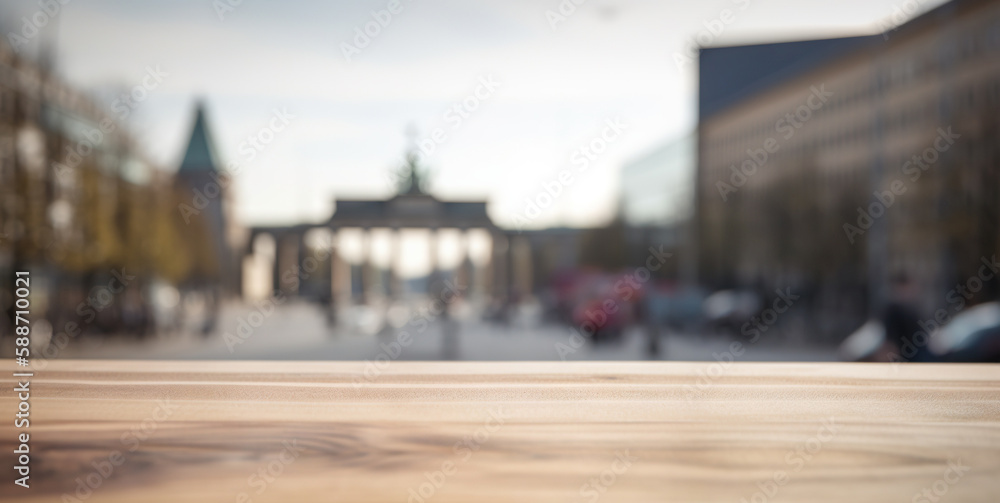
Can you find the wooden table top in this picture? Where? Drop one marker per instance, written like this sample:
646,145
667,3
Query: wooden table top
141,431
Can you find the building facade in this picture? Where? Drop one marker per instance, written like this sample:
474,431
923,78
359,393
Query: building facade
829,166
655,187
93,220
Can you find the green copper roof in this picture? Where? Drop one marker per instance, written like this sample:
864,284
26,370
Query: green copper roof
200,154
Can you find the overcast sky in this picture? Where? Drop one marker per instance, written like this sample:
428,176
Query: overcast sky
557,87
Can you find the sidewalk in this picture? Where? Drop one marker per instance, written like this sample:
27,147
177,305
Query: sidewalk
299,332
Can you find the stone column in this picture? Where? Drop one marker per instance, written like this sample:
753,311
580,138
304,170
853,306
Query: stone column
466,269
276,265
366,272
396,289
342,276
298,271
334,275
286,257
499,266
524,267
434,275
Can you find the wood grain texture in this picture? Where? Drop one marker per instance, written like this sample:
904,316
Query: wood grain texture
200,431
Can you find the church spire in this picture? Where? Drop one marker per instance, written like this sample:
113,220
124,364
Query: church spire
200,154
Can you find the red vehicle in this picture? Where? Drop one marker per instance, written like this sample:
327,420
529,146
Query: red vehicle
599,309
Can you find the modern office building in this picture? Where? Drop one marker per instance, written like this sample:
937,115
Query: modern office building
656,204
827,166
656,187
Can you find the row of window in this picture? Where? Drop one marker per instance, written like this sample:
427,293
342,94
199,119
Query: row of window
976,155
970,100
969,47
920,66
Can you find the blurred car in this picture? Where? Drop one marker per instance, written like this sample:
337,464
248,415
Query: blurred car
728,310
599,303
676,306
864,344
606,325
971,336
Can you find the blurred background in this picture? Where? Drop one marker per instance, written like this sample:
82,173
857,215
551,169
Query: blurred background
517,180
